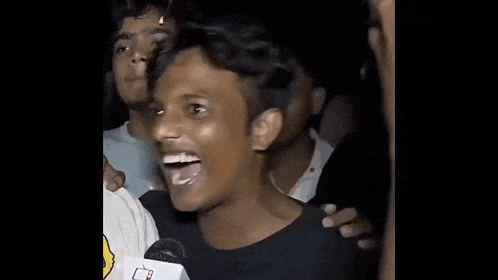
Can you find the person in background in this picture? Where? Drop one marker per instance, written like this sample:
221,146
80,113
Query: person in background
381,40
142,28
128,227
353,174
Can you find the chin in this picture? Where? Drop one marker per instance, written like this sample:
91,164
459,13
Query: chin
185,204
133,95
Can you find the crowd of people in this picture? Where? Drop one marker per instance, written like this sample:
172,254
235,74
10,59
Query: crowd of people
226,144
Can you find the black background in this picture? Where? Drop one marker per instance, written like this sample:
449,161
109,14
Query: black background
445,139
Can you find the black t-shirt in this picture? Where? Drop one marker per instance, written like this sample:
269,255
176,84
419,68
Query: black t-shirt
302,250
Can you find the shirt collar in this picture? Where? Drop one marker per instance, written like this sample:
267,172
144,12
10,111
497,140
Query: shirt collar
305,187
125,135
322,152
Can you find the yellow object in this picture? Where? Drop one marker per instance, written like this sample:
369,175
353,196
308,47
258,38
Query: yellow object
108,258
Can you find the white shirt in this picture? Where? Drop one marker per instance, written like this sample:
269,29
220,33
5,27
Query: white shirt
305,188
129,230
134,157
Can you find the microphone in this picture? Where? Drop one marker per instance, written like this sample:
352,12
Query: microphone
167,250
162,261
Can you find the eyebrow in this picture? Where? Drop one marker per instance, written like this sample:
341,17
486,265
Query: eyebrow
147,30
199,94
185,96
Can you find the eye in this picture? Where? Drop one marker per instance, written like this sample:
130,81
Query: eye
158,43
162,45
121,49
155,110
197,110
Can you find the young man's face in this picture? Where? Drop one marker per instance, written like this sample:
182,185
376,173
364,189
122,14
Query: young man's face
138,38
200,131
299,111
306,103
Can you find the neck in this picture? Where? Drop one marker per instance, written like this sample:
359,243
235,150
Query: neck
249,218
289,163
137,125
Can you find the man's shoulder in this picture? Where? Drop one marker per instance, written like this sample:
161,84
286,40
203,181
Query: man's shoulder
310,225
117,141
113,134
307,250
306,235
314,238
116,203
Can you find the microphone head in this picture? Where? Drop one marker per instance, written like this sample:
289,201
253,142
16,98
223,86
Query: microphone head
166,250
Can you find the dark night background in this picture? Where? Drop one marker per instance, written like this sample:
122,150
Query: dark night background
445,139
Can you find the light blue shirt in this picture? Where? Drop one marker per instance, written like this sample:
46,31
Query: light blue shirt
134,157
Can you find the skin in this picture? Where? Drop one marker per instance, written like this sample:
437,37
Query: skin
138,38
381,41
113,179
201,109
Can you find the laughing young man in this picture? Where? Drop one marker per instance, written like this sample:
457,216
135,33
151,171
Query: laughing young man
217,107
142,28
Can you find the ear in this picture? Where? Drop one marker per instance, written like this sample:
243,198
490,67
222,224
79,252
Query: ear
265,129
318,95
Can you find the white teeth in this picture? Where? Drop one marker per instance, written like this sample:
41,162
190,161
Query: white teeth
171,159
180,158
176,180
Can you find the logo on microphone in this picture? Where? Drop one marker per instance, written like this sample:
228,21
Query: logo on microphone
108,258
142,274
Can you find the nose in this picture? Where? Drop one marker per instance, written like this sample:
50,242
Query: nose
137,58
167,127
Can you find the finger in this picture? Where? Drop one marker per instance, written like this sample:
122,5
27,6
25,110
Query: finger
115,183
368,243
356,228
111,186
337,219
329,208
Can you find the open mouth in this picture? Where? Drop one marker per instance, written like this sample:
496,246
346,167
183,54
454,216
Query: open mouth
182,168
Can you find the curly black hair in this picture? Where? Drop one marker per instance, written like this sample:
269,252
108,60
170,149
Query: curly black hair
240,44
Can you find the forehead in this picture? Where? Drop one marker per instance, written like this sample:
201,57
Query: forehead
191,71
147,23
